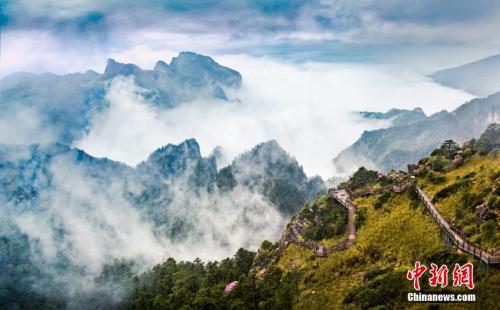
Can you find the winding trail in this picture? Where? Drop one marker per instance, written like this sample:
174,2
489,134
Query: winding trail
294,233
343,197
460,241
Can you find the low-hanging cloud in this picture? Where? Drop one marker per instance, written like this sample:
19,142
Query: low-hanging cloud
23,125
308,108
89,222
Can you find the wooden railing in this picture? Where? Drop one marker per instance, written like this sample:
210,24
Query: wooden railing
458,239
343,196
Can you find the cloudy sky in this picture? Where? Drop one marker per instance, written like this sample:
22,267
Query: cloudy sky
36,33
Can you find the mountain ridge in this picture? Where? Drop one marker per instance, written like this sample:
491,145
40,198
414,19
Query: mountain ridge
479,77
393,147
397,117
81,96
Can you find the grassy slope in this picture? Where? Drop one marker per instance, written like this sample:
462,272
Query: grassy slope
391,238
384,240
482,168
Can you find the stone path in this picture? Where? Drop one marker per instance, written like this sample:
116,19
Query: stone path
343,197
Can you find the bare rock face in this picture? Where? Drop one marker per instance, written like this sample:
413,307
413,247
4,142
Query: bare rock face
399,188
294,264
412,168
481,212
457,160
320,251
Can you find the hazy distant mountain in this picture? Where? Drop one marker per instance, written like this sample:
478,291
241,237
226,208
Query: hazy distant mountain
30,175
480,77
66,103
189,76
396,146
397,116
27,172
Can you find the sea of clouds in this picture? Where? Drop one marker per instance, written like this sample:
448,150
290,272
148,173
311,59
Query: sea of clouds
309,108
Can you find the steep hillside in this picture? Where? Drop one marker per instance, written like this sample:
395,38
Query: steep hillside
464,184
394,147
465,188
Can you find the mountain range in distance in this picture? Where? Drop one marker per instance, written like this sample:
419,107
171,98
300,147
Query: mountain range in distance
397,117
480,77
66,103
67,116
395,146
412,134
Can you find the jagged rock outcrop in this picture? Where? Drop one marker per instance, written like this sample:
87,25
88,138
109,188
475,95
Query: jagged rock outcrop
170,201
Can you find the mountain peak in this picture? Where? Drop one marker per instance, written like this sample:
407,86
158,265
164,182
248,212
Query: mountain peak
173,159
192,56
266,153
269,145
189,148
161,66
114,68
197,68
